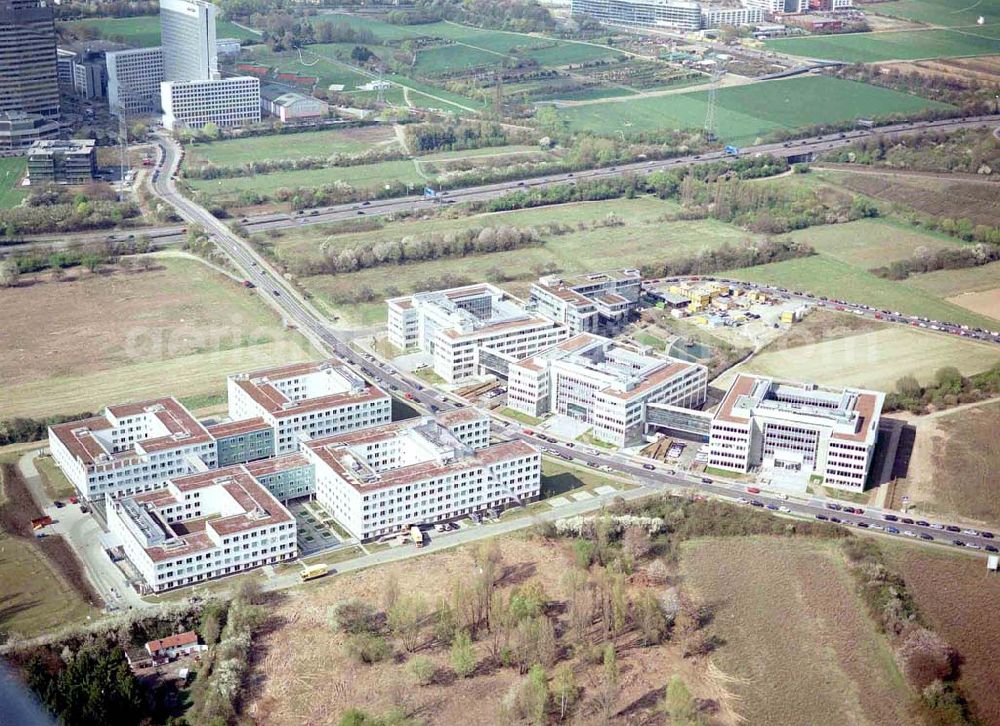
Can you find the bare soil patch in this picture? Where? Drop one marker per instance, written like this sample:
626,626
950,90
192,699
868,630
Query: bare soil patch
960,601
986,302
954,465
797,643
302,675
820,325
978,69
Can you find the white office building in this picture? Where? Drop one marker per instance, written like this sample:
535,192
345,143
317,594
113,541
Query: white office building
797,428
716,17
421,470
307,400
590,303
605,384
134,78
187,34
670,14
131,448
468,331
779,6
202,526
225,102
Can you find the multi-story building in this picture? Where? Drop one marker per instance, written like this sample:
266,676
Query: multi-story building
131,448
29,76
307,400
90,77
134,78
598,302
224,102
716,16
778,7
469,330
202,526
228,46
187,35
796,427
673,14
420,470
57,161
605,384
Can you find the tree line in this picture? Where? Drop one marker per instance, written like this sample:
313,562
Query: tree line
947,389
21,430
925,260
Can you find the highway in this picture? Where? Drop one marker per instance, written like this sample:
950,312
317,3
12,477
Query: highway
298,312
173,234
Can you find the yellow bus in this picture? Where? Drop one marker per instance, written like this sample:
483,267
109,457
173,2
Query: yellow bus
313,571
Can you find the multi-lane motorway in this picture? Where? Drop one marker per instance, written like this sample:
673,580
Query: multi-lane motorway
171,234
299,313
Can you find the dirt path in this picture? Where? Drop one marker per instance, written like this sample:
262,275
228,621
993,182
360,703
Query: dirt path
727,81
882,171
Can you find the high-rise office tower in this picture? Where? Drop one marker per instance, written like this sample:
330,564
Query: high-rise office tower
29,79
187,35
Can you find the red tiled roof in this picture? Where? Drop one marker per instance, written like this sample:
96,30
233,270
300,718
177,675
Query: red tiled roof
172,641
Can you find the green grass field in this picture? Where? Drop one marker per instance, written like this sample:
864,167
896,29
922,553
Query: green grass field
144,31
946,283
11,171
745,113
901,45
829,277
291,146
367,176
948,13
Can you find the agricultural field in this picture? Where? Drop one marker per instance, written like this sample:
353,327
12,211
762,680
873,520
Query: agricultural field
952,470
12,169
829,277
144,31
959,600
795,637
234,152
746,113
178,330
874,359
896,45
945,13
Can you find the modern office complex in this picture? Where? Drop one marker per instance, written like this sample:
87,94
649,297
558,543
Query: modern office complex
777,7
187,35
796,427
134,78
469,330
203,525
674,14
600,302
378,481
307,400
224,102
29,77
131,448
605,384
55,161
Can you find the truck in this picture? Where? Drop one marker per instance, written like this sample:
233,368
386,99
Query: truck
732,151
313,572
41,522
418,536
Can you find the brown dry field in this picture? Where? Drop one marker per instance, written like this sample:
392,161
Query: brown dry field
960,601
981,68
821,325
934,196
798,644
986,302
302,677
954,464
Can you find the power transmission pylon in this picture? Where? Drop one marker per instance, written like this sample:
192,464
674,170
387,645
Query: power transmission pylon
498,94
708,131
379,88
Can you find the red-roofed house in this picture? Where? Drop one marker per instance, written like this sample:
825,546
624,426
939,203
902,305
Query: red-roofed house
173,646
